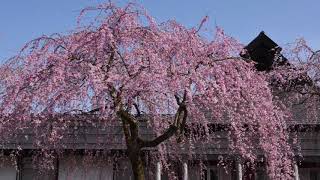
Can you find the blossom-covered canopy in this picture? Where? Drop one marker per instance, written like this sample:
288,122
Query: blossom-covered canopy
125,63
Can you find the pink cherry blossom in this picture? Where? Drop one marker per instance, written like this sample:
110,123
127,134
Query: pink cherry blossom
124,66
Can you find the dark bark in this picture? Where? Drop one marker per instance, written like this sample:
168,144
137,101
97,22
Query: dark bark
166,135
135,143
137,163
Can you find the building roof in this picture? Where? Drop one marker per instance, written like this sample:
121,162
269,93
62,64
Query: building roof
265,52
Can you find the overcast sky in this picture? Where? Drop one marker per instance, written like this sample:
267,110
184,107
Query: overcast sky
282,20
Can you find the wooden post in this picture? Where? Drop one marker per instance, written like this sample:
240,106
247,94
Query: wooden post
239,170
158,171
296,171
185,171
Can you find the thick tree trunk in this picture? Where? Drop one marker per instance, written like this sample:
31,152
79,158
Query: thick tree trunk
134,143
137,164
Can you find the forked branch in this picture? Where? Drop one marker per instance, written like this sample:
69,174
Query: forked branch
177,127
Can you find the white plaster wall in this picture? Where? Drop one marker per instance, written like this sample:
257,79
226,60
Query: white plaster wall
8,172
194,172
76,168
304,174
7,169
28,172
123,171
224,173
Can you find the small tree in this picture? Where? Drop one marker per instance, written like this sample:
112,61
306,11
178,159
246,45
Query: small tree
124,65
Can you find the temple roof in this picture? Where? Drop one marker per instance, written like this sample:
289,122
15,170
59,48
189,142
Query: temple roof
265,52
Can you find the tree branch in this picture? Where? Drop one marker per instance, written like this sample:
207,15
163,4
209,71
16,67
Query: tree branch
126,131
127,118
166,135
136,106
178,126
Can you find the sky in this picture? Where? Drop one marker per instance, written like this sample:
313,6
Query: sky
282,20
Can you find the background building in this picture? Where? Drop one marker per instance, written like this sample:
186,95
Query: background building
83,139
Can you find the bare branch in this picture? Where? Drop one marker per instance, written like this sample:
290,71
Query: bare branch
127,117
178,126
177,99
166,135
137,109
124,63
